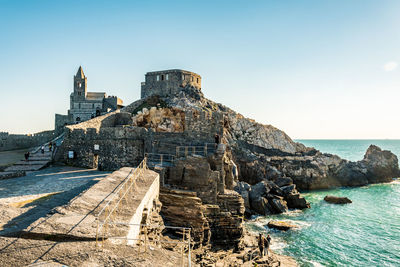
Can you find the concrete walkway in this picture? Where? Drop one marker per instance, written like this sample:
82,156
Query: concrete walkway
25,199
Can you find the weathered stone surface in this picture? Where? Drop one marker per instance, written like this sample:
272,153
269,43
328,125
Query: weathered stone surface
184,209
278,204
382,165
194,173
288,189
296,201
282,181
261,206
260,189
281,225
337,200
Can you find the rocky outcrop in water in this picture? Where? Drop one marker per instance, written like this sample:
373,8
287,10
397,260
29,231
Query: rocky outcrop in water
266,197
337,200
281,225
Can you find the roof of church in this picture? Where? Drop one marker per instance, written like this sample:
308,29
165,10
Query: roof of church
95,96
80,73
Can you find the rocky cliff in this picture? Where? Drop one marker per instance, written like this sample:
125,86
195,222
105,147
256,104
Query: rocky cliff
264,152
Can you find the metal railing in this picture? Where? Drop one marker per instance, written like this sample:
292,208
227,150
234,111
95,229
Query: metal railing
143,242
112,205
156,159
201,150
107,227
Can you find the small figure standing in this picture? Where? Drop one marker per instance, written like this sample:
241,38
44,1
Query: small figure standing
261,244
50,146
217,139
267,243
42,149
27,156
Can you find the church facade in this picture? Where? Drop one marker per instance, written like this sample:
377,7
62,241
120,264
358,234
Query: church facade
86,105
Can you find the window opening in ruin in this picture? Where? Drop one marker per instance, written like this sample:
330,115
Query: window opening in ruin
79,105
158,78
80,85
97,112
166,77
78,119
162,77
92,105
183,77
197,80
192,79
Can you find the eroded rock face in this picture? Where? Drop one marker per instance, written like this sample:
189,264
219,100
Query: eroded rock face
184,209
218,211
160,119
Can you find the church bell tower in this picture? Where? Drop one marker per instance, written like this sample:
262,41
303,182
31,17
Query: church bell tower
80,85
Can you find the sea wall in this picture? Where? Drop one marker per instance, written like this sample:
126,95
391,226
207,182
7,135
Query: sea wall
20,141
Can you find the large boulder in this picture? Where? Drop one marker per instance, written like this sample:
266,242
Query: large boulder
261,206
337,200
288,189
281,225
296,201
382,165
283,181
259,190
278,204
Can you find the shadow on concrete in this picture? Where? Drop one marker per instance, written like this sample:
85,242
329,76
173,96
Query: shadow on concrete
42,209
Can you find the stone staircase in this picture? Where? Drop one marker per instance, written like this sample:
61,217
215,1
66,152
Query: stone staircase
37,160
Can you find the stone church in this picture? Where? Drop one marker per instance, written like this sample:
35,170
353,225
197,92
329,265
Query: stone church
86,105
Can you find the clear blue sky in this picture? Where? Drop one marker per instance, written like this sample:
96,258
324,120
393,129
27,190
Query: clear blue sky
315,69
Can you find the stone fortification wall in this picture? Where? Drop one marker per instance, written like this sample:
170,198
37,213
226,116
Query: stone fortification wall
20,141
109,148
127,144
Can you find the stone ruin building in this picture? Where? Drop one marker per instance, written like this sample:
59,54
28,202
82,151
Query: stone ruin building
169,82
86,105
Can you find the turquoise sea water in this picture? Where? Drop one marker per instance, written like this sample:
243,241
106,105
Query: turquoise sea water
363,233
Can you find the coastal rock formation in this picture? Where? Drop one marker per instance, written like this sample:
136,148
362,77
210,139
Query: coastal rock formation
337,200
184,209
197,197
266,197
326,171
281,225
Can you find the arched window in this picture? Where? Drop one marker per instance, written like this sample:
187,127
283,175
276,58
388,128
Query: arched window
166,77
78,119
162,77
98,112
